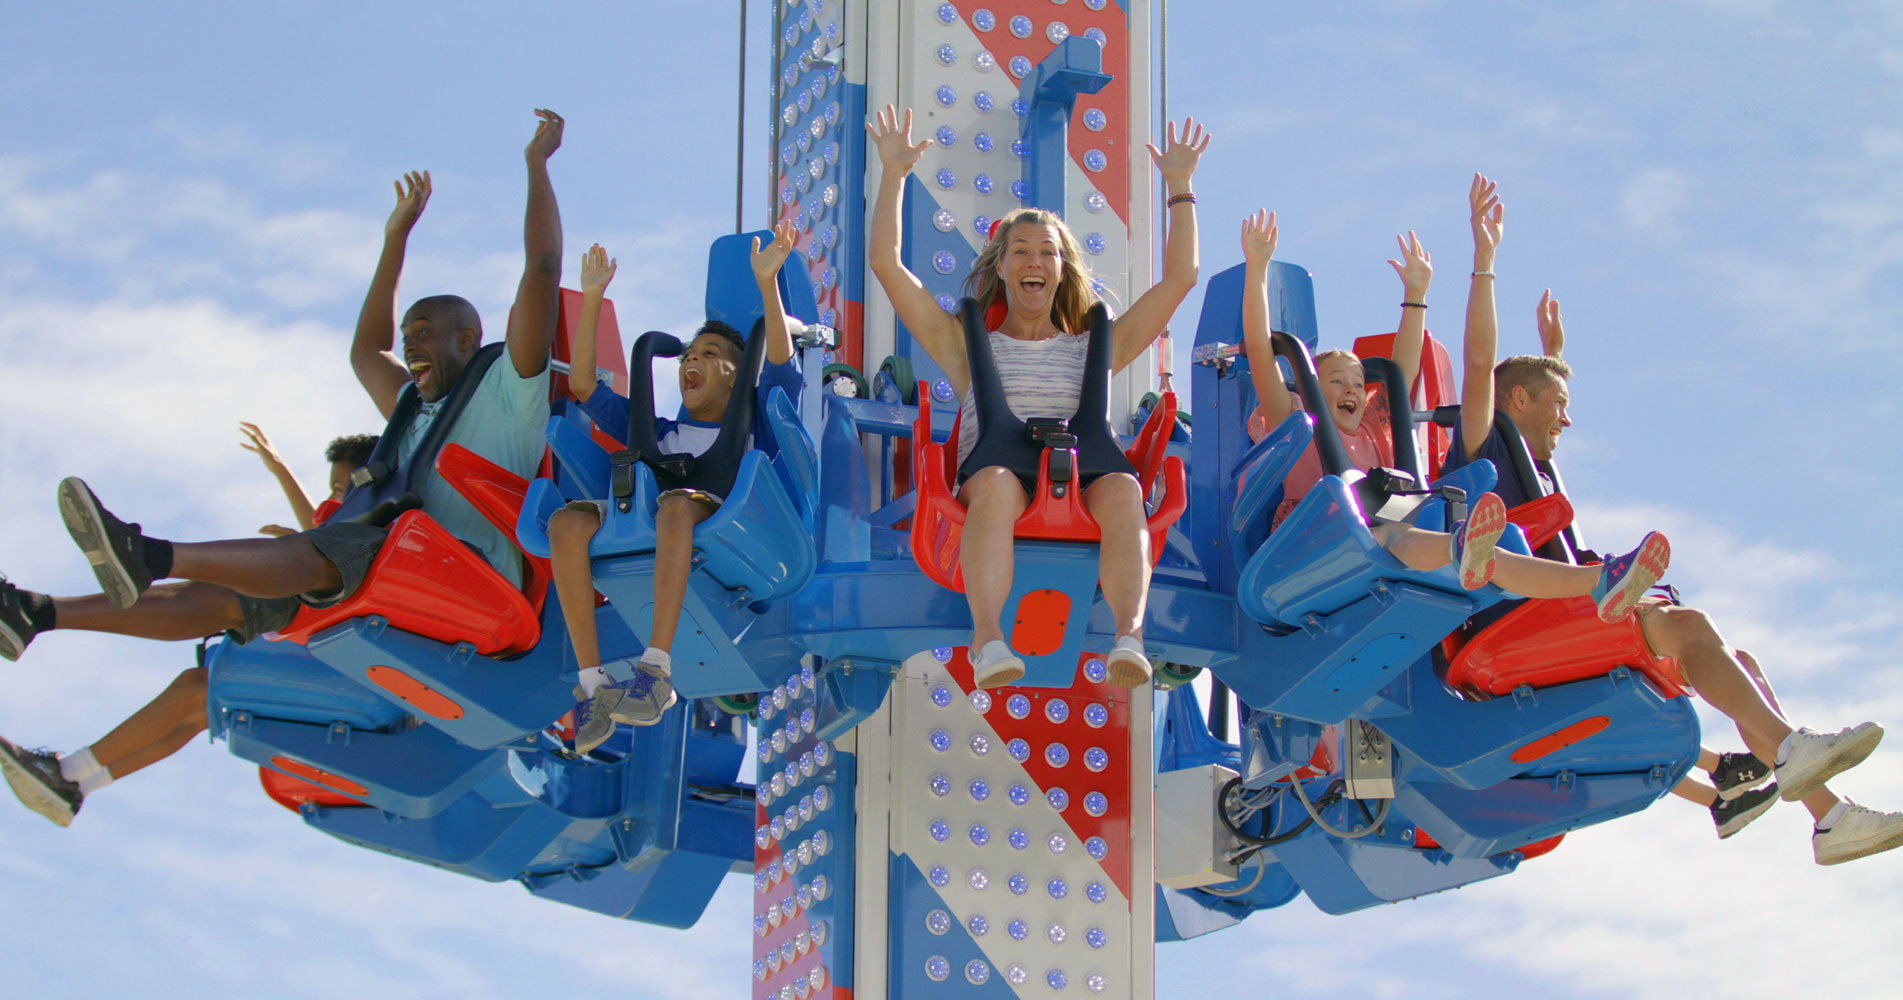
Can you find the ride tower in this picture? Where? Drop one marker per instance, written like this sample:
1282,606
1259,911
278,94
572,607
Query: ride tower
956,841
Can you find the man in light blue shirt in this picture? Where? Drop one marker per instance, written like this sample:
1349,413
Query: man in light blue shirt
254,587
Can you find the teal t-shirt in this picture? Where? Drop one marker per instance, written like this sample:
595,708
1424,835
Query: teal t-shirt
505,423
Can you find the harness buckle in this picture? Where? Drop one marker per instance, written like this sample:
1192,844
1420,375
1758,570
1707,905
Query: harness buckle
621,485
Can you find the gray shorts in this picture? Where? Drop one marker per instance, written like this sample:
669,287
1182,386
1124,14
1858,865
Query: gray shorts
347,545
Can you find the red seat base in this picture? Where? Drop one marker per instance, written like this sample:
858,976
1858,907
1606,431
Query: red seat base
428,583
1547,642
938,519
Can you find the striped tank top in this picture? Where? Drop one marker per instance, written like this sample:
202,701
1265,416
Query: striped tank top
1042,380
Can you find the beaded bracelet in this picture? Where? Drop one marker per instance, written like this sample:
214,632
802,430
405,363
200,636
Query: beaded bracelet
1181,199
1483,274
1413,305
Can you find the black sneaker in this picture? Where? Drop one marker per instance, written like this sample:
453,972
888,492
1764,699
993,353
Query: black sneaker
16,628
1738,773
1732,815
34,777
115,548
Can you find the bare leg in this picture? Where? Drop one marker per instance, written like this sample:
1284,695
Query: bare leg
1696,790
569,531
993,499
1716,672
1123,556
674,521
1425,551
158,730
168,612
261,567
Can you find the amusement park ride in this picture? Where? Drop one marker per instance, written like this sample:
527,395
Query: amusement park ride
909,834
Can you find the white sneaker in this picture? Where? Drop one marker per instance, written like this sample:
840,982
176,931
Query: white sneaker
1129,668
1861,832
1817,757
995,665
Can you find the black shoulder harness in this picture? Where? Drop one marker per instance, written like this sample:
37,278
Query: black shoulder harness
383,487
713,471
1007,441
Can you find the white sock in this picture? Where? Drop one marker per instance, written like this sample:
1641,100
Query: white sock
656,656
95,781
79,765
1836,813
1784,749
592,679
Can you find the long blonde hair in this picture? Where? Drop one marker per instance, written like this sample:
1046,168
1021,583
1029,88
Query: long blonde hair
1074,296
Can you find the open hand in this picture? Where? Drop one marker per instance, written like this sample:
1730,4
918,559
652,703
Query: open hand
547,138
1416,266
597,269
893,139
256,443
767,260
1176,161
1552,334
412,193
1258,237
1488,215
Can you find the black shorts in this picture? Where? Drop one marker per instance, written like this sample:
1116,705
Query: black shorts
347,545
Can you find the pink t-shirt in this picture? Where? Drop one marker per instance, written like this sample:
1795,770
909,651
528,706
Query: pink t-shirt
1368,447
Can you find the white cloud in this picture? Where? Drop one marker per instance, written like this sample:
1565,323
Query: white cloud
1652,200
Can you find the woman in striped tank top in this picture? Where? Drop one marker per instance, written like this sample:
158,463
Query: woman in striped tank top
1033,265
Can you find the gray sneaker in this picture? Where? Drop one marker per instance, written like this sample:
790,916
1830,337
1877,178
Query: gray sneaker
594,716
1817,757
650,693
34,777
1860,833
1734,814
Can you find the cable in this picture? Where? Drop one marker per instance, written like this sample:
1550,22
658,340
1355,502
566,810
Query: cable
1257,839
1314,813
740,128
1261,868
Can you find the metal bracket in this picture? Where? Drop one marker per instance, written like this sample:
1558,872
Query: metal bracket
1367,761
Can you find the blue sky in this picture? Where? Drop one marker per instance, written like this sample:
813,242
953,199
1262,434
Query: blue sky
190,203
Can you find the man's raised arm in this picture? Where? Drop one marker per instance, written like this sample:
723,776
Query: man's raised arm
372,350
538,297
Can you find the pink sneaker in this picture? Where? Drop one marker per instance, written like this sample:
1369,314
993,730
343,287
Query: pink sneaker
1473,540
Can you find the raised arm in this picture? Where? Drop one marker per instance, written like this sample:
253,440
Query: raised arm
1258,248
372,349
597,269
538,296
933,328
766,272
258,444
1416,268
1552,333
1150,314
1476,383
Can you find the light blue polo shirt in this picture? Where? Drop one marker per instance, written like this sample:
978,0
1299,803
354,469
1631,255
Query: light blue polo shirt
505,423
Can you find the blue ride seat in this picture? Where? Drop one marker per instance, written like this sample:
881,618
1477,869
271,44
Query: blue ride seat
276,705
1347,617
1493,775
482,692
757,548
647,836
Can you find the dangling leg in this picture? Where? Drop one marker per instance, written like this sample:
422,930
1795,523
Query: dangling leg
1123,569
994,499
